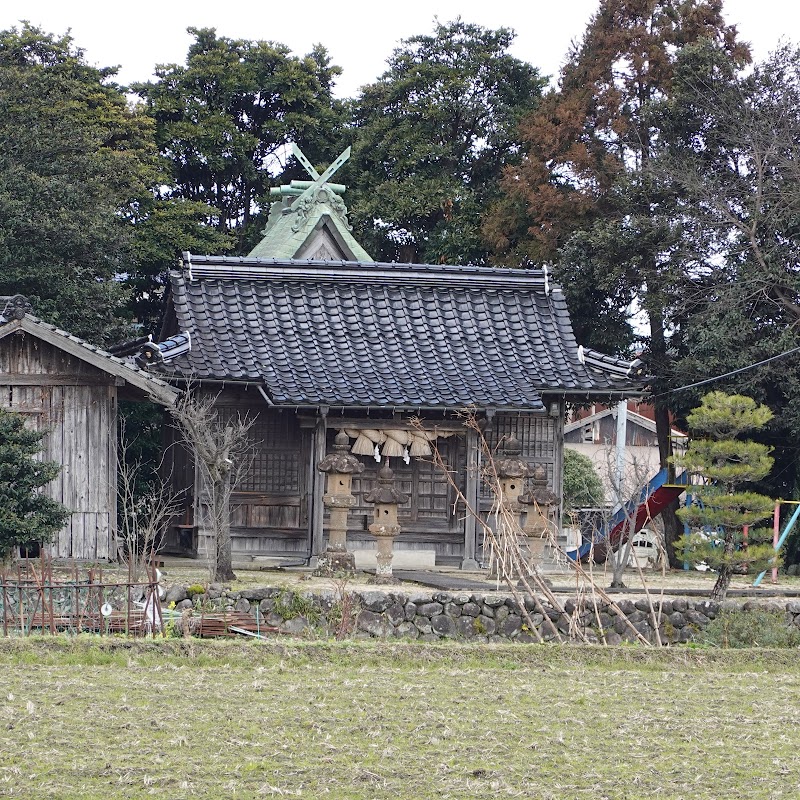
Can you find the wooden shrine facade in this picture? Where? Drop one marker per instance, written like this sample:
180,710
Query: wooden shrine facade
310,337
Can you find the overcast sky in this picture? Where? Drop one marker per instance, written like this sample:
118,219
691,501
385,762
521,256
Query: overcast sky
359,35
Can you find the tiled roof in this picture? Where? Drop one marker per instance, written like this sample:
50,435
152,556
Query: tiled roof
370,334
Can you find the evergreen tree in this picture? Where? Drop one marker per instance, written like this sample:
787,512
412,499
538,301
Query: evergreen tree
26,515
223,121
721,506
432,135
731,145
75,162
585,196
582,485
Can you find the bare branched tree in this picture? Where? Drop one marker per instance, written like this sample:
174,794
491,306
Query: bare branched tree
146,505
222,451
514,568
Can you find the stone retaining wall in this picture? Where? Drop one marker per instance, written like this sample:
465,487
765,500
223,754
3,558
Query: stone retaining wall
433,616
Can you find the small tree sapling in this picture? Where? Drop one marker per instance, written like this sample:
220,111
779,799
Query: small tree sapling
26,515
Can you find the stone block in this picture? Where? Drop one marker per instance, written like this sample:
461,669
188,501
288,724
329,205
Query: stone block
685,635
677,619
242,605
626,606
443,625
410,610
407,630
395,614
295,626
430,609
694,617
471,609
371,623
452,610
175,594
377,602
708,607
422,624
510,626
465,627
257,593
486,625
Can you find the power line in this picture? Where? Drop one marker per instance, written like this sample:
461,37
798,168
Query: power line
727,374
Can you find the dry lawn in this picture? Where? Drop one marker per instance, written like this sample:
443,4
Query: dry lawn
118,719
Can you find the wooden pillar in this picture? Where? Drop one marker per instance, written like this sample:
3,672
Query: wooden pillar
472,495
317,510
558,465
112,455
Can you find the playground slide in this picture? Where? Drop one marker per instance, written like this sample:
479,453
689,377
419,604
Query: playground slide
654,497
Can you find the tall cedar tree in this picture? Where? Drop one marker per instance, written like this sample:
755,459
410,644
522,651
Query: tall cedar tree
720,507
432,135
585,197
731,145
224,119
26,515
83,232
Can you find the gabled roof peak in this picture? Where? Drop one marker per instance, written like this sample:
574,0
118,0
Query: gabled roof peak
309,218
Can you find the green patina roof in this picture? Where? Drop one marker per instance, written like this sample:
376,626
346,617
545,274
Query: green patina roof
310,219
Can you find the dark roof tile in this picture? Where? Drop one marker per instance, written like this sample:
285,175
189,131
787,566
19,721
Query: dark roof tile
384,334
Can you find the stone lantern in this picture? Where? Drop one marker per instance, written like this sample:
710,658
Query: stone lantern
511,473
539,500
386,498
339,466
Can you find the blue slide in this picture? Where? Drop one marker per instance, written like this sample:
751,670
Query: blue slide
656,495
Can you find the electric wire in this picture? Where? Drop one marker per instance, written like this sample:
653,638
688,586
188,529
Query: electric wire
726,374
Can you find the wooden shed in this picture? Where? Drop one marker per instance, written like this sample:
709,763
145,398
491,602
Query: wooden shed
70,389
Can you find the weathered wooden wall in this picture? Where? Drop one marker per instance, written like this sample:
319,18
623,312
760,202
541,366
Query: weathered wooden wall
269,507
272,509
76,404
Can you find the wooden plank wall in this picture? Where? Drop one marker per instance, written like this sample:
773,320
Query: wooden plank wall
76,404
269,509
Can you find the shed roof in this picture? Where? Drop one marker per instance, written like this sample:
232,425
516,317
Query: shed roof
16,319
375,334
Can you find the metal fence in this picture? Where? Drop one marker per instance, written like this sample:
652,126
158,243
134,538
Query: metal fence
35,599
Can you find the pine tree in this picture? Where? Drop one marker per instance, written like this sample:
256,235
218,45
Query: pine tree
26,515
721,506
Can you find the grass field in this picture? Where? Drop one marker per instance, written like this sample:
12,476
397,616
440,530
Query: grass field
118,719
